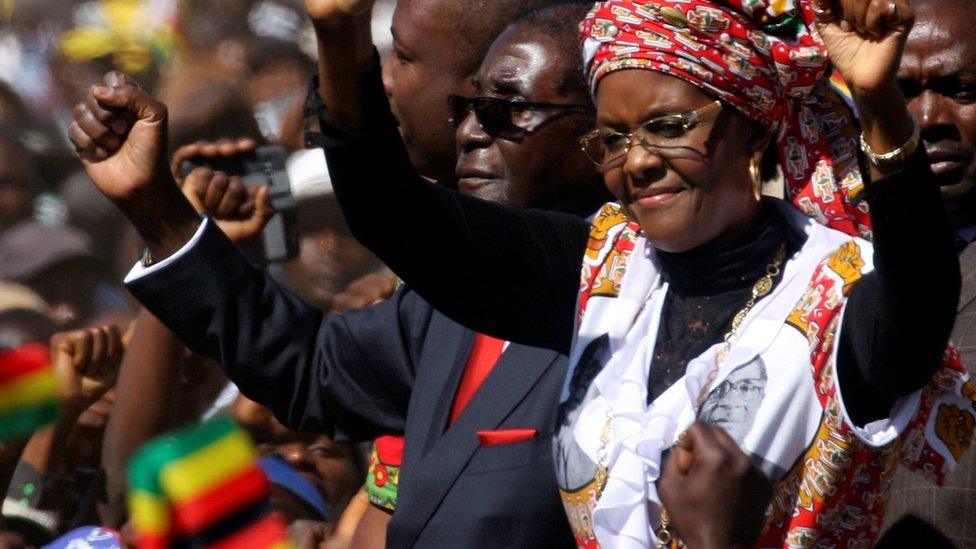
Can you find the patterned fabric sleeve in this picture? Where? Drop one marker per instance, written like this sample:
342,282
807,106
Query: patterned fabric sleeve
935,439
383,476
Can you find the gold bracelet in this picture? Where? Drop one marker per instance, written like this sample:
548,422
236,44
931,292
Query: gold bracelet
897,157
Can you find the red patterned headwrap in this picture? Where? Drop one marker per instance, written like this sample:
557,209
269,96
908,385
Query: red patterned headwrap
764,58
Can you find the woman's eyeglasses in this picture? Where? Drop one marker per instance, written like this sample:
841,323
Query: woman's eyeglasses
506,119
668,136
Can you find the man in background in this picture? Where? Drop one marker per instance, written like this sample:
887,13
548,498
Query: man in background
938,77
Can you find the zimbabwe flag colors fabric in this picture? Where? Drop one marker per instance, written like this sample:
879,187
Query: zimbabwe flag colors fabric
28,390
201,487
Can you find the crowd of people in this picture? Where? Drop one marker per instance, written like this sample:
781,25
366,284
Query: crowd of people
520,273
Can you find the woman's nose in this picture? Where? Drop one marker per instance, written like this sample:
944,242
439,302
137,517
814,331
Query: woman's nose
639,161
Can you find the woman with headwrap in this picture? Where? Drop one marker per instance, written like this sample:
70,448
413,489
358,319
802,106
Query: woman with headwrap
823,356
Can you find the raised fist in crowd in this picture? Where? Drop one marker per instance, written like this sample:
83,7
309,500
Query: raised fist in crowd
714,495
324,10
119,132
239,211
86,363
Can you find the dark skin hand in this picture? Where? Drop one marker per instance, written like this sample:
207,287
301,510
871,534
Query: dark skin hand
119,132
714,495
86,363
938,76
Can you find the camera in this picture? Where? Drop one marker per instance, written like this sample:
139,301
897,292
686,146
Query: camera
265,167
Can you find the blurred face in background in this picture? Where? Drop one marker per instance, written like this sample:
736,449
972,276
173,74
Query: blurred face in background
333,468
18,179
330,258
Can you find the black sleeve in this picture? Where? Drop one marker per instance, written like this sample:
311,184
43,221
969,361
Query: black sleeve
510,273
352,372
898,318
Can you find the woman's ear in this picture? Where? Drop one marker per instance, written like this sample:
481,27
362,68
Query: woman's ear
759,139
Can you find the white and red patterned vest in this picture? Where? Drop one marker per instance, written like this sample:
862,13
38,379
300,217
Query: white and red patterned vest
831,476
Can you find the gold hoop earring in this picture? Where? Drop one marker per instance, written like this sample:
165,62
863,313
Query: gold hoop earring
756,178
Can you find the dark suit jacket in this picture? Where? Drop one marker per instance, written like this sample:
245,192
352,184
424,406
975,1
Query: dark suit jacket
952,508
392,368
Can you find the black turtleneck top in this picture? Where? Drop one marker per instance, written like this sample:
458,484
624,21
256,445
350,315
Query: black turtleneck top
515,274
707,286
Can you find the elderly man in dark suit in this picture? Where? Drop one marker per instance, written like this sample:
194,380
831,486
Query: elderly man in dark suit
938,75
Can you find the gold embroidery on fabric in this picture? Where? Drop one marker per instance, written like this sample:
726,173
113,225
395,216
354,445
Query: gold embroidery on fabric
610,216
847,262
954,427
579,507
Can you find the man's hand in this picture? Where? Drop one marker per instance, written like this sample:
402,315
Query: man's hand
324,11
86,363
240,212
713,493
209,150
364,292
119,132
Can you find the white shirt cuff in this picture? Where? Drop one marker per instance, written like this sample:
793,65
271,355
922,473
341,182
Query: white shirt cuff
138,271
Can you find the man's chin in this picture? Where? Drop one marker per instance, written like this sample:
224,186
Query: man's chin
958,190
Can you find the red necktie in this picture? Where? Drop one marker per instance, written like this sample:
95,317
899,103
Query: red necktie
484,354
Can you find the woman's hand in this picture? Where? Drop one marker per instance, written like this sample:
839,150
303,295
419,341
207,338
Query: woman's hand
713,493
865,39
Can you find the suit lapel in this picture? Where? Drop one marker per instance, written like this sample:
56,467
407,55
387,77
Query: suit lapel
967,265
442,364
517,372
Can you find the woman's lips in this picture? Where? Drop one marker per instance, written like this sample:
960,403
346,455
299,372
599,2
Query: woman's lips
657,197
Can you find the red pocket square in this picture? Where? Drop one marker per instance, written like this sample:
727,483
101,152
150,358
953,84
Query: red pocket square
505,436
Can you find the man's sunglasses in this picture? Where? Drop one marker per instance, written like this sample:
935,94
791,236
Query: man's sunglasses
506,119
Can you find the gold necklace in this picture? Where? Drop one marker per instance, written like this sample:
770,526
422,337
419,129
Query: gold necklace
667,539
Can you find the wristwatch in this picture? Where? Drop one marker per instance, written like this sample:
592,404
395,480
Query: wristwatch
895,158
